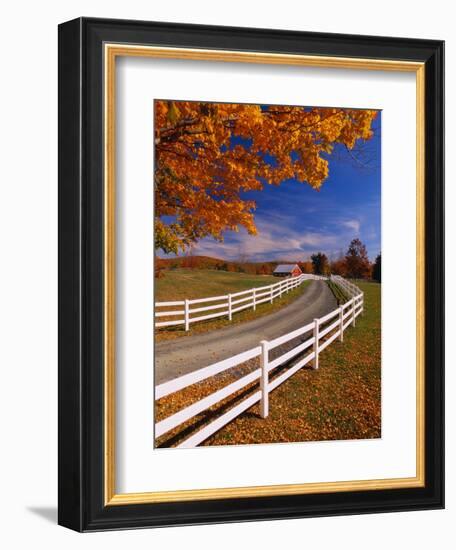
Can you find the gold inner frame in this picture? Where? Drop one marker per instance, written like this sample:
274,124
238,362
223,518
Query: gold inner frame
111,52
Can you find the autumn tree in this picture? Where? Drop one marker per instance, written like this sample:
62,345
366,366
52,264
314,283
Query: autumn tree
190,261
207,155
338,265
159,266
356,260
263,269
320,263
377,269
306,267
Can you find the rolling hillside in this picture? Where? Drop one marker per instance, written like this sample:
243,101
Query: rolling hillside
164,265
178,284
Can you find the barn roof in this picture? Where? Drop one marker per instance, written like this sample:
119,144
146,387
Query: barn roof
285,268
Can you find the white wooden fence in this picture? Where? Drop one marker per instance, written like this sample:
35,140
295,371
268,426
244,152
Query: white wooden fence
349,288
227,305
322,332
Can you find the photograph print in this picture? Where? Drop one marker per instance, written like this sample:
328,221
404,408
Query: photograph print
267,273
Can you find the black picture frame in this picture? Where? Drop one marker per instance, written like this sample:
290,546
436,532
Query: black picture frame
81,325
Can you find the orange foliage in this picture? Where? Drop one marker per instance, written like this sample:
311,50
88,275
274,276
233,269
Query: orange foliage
306,267
339,267
356,261
159,265
200,176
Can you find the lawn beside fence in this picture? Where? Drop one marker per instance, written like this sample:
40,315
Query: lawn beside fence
182,283
185,283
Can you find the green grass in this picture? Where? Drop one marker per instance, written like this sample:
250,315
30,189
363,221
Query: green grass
341,400
179,284
193,283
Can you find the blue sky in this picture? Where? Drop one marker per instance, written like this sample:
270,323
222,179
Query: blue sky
295,221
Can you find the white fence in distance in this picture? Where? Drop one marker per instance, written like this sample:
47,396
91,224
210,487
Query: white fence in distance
349,288
323,332
226,305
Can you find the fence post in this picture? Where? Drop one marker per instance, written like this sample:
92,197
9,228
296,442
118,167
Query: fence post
362,304
254,299
341,320
272,294
264,382
230,315
354,311
187,315
315,346
280,289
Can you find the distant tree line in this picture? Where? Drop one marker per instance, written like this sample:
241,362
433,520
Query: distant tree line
353,264
191,261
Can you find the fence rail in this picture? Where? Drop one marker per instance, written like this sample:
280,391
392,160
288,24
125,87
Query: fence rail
322,332
229,304
347,286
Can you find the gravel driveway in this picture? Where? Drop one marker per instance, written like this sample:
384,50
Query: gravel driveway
176,357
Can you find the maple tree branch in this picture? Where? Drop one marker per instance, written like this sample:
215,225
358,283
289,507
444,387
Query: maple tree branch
177,153
306,126
356,159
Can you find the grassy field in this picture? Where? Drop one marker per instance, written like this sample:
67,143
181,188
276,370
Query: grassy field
179,284
341,400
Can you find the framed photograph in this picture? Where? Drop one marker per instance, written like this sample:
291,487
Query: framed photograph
251,312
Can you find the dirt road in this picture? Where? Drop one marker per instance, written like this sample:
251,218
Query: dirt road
176,357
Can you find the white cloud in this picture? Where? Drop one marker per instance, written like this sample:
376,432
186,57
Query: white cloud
276,239
355,225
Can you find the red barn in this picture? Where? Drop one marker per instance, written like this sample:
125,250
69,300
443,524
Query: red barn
287,270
